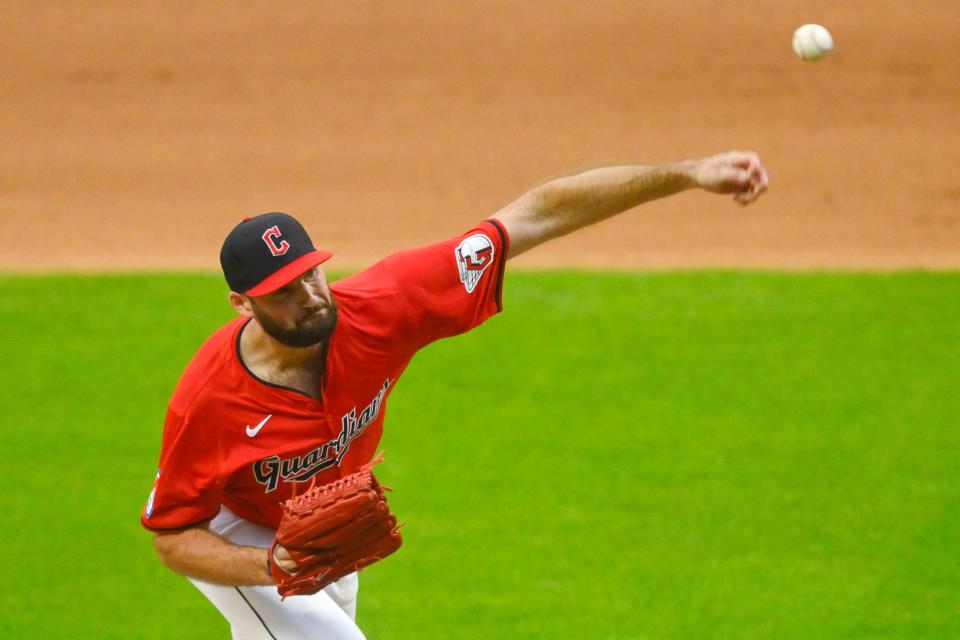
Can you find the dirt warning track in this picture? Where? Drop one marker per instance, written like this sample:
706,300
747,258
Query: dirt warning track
136,135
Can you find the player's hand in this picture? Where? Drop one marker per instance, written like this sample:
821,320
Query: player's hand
283,560
736,172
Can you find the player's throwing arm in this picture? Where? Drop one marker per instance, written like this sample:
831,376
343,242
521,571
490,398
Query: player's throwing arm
563,205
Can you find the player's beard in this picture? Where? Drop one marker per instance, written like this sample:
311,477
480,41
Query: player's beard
314,329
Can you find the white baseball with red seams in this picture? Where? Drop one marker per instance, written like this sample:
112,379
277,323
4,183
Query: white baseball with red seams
812,42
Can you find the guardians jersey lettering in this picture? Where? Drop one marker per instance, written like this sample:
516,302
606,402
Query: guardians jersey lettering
301,468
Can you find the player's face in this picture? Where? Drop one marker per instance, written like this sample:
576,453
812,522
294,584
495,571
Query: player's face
301,314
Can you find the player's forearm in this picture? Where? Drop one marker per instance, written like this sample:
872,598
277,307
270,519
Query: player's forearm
198,553
563,205
576,201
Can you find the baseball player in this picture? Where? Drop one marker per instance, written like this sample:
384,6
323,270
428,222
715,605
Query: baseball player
294,390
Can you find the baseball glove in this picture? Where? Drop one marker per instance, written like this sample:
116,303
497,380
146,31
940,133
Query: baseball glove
333,530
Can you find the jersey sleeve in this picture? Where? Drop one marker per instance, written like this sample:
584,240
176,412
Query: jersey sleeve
187,489
450,287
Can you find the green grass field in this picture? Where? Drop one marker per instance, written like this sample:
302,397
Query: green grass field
692,455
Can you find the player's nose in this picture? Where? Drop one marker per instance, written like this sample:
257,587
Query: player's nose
317,295
322,289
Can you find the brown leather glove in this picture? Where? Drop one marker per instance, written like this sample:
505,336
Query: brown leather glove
333,530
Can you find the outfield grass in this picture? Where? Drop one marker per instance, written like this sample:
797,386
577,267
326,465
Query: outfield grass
695,455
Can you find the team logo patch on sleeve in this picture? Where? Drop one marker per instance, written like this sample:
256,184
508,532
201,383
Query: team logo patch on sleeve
153,494
474,255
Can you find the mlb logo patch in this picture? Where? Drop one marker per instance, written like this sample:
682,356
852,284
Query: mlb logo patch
474,255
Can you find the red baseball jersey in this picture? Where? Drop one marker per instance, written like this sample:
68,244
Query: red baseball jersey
233,439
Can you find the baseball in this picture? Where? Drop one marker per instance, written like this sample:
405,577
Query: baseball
812,42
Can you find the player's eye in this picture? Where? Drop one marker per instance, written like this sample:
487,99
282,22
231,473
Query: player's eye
310,275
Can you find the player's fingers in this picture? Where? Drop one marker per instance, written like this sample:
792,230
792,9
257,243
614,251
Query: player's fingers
760,179
747,192
741,178
283,559
758,186
764,178
758,175
727,180
744,159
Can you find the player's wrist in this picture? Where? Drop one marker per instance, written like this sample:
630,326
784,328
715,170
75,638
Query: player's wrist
686,173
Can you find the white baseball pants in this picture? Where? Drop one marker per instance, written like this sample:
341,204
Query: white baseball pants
256,613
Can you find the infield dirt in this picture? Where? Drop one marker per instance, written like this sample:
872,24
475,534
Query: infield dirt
135,135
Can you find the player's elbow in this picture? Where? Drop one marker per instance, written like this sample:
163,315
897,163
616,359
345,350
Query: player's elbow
528,222
162,543
169,547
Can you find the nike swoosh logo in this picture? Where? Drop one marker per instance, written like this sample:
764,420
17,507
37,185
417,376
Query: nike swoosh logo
252,431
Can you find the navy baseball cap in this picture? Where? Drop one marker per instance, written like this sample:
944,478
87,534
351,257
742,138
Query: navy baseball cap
265,252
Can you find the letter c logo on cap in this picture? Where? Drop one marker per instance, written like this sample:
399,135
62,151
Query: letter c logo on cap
269,236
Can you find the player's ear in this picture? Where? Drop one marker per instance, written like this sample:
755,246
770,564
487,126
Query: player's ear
241,304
